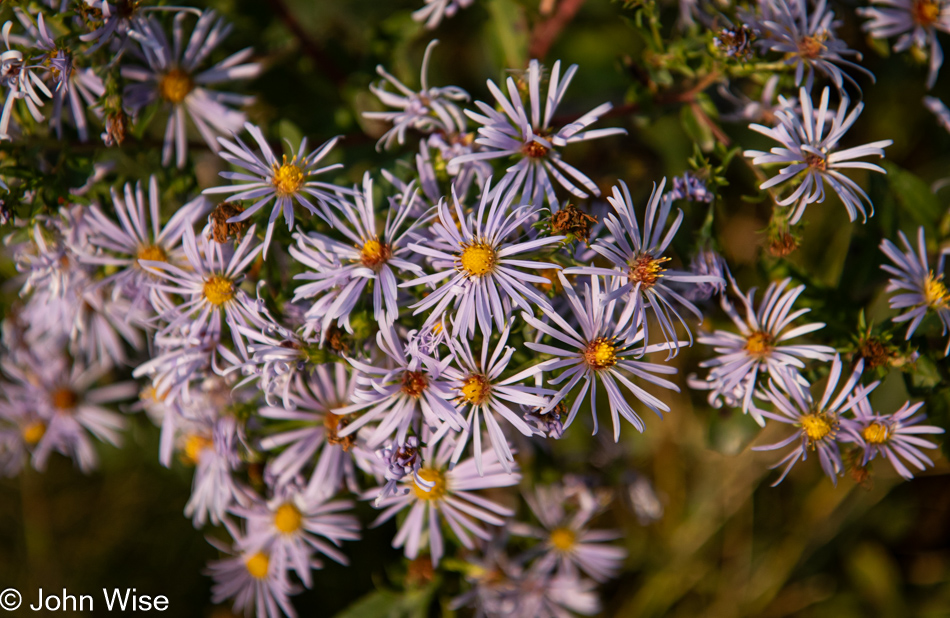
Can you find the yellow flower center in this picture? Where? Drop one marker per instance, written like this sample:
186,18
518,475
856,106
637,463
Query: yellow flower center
876,433
935,292
759,343
34,432
601,353
258,565
152,253
563,539
175,85
288,178
194,445
374,254
475,389
646,270
64,398
431,476
287,518
926,12
414,383
816,426
218,290
478,259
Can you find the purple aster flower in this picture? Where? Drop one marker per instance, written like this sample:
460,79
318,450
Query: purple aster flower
707,262
638,257
210,288
921,290
448,494
137,236
265,179
309,432
817,424
17,75
341,271
84,91
806,41
399,461
255,581
914,22
211,445
600,353
513,133
294,525
172,77
568,541
811,156
482,389
896,437
691,188
481,259
64,408
410,389
431,110
760,346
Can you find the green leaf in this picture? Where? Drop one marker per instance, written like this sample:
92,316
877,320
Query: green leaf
914,196
511,30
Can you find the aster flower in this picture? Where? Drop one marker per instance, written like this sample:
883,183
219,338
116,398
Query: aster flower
479,255
807,41
293,525
639,257
896,437
707,262
64,407
311,432
210,289
812,157
430,110
138,236
481,388
513,133
118,20
253,579
57,60
568,542
17,75
435,10
266,179
921,289
542,594
210,444
172,77
450,495
399,461
914,22
760,346
691,188
410,390
816,423
340,272
600,353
